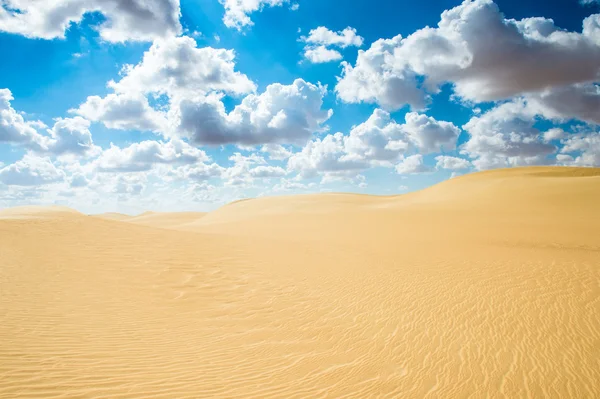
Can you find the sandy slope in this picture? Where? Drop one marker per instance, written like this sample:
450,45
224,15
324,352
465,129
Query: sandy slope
483,286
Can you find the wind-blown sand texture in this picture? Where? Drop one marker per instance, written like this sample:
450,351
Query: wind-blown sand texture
484,286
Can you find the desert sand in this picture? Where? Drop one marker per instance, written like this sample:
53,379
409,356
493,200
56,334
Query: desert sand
484,286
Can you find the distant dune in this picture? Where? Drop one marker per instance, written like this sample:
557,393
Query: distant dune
486,285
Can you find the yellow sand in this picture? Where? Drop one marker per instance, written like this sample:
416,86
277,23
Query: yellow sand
484,286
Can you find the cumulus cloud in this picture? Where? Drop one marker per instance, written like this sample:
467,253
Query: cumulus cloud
321,54
325,156
172,72
430,135
320,40
176,67
580,101
237,12
282,114
31,170
484,55
276,152
142,156
582,149
138,20
451,163
379,141
67,136
375,79
13,127
506,136
123,111
246,169
326,37
412,165
71,136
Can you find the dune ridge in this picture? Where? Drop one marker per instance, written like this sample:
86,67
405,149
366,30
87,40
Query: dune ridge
485,285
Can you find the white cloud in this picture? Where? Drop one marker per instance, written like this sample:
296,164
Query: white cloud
237,12
374,79
506,136
485,56
31,170
14,128
581,101
282,114
326,156
246,169
319,41
379,141
276,152
321,54
144,155
581,149
430,135
412,165
125,19
67,136
176,67
122,111
71,136
554,134
451,163
128,185
322,36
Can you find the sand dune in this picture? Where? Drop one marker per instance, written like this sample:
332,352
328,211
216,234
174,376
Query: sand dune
486,285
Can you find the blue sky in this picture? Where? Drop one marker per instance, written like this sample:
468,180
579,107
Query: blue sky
225,100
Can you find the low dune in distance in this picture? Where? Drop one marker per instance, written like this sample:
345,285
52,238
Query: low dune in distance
486,285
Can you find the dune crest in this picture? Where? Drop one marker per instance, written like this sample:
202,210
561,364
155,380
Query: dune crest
482,286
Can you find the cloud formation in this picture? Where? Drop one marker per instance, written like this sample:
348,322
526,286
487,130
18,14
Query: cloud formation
237,12
136,20
320,40
484,55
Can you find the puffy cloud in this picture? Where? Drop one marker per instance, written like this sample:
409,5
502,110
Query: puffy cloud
31,171
282,114
581,101
71,136
128,185
581,149
412,165
451,163
67,136
139,20
144,155
246,169
430,135
379,141
379,138
122,111
485,56
326,37
178,68
237,12
14,128
319,41
506,136
276,152
325,156
321,54
375,79
554,134
199,172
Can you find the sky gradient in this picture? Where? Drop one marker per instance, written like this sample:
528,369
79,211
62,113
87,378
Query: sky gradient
173,105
